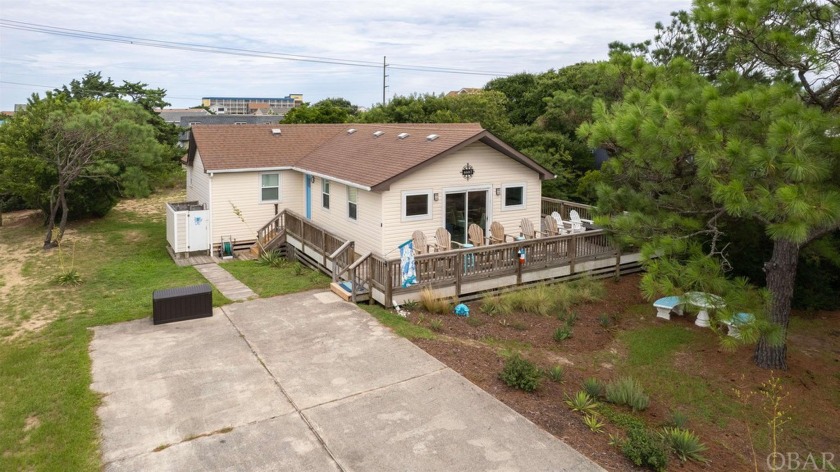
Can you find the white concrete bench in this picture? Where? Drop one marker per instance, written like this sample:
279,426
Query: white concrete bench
737,322
665,305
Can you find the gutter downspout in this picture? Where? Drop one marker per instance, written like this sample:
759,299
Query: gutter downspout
210,207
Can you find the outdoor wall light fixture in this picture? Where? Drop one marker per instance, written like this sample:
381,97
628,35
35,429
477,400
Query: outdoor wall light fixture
498,191
311,179
437,196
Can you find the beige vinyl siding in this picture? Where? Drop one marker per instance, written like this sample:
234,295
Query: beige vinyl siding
492,170
197,182
365,231
243,190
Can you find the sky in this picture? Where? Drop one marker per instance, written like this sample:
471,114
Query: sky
472,36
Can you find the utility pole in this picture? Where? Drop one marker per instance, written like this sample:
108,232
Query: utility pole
384,77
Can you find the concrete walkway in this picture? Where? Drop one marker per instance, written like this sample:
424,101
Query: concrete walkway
225,283
300,382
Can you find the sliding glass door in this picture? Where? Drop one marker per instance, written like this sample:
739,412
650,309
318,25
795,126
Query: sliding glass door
463,209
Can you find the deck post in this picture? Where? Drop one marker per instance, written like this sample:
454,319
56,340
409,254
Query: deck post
353,287
519,264
459,269
387,284
324,246
617,262
572,252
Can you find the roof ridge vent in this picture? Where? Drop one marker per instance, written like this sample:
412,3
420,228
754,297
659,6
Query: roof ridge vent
432,137
351,130
403,135
275,131
377,134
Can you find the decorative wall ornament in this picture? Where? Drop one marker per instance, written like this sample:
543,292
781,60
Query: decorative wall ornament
467,171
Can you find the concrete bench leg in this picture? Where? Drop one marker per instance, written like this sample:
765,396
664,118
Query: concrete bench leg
734,332
703,319
664,313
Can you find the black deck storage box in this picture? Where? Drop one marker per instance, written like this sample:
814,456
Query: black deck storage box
182,303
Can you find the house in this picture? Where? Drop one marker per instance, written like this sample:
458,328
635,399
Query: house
248,105
374,184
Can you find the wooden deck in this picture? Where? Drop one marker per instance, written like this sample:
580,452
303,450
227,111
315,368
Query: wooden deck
462,273
198,259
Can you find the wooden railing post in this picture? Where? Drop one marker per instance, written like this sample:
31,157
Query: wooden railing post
573,244
459,269
388,287
617,262
519,263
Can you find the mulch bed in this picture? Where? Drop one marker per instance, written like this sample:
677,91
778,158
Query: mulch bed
471,346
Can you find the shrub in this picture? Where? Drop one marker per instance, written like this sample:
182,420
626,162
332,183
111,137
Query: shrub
685,444
271,258
563,332
571,319
297,268
593,387
410,304
495,305
593,422
436,325
556,373
678,419
433,303
537,300
70,277
627,391
605,320
645,449
581,402
520,373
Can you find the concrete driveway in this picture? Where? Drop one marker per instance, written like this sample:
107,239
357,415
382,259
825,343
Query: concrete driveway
300,382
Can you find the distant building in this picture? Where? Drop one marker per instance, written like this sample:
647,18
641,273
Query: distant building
174,115
252,106
187,117
464,91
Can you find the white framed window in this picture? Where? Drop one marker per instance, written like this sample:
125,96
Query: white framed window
270,188
513,197
352,203
417,205
325,194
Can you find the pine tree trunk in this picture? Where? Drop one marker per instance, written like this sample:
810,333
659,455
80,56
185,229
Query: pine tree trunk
781,275
51,223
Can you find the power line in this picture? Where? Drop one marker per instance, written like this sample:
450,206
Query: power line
136,41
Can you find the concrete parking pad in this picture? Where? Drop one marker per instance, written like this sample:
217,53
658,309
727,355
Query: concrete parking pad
283,443
299,382
322,351
165,383
438,422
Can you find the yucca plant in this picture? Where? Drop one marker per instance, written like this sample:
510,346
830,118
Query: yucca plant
581,402
556,373
562,333
685,444
593,422
271,258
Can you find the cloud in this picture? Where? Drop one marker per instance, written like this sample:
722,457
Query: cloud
498,36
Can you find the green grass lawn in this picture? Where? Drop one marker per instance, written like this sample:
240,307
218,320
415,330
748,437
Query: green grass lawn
47,410
269,281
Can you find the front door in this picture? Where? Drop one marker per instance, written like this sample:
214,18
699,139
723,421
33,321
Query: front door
463,209
309,180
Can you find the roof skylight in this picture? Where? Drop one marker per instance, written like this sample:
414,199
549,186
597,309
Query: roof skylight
432,137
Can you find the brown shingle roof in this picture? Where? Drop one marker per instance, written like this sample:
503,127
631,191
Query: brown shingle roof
330,150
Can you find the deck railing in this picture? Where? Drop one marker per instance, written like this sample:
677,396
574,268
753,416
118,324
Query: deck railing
563,207
458,266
